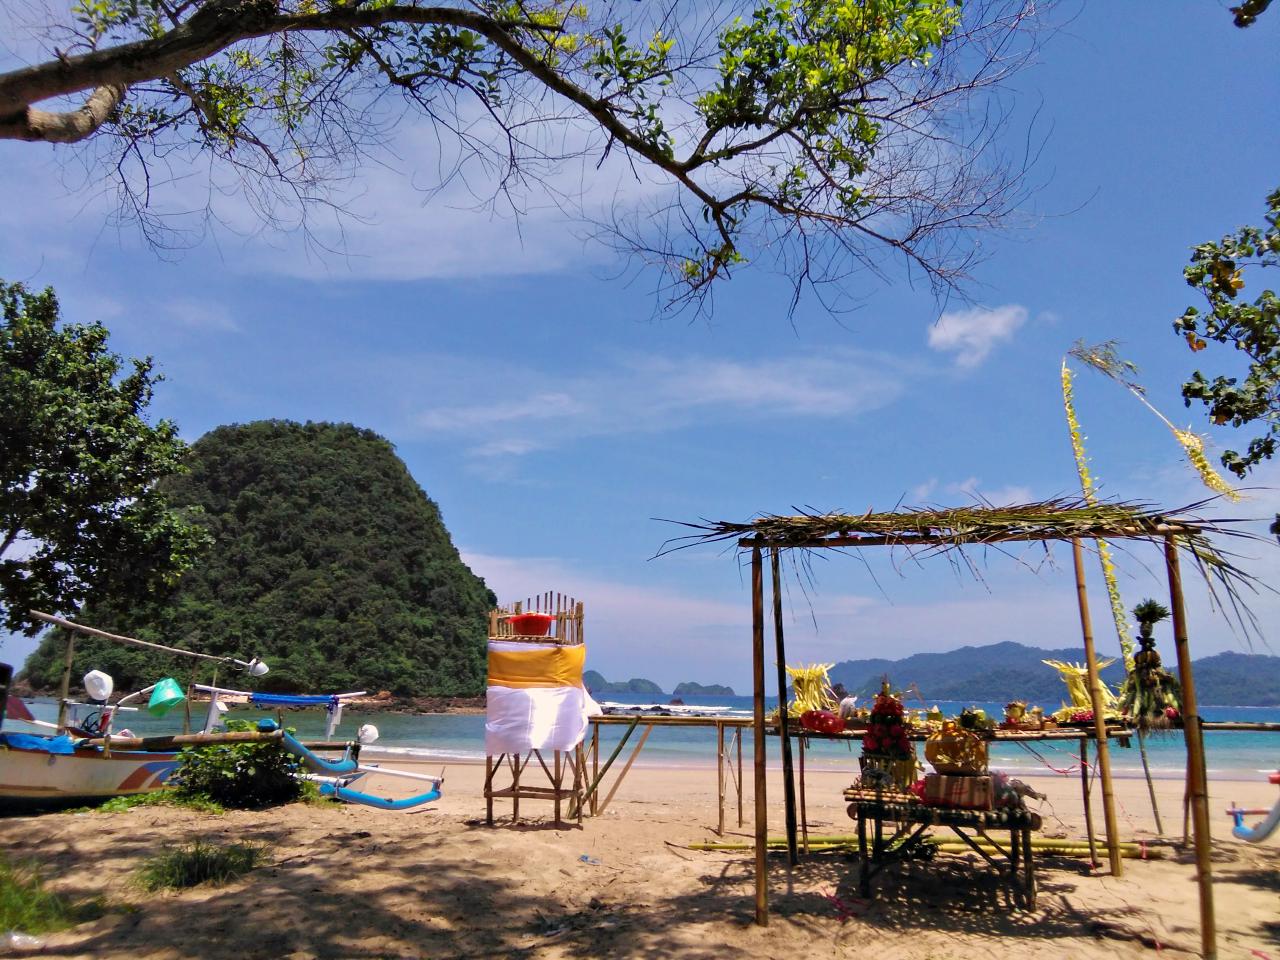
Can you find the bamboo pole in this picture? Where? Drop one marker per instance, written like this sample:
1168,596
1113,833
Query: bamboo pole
804,807
626,767
720,777
1088,803
1151,787
1195,755
737,735
488,789
1099,720
788,773
598,772
64,689
757,679
177,741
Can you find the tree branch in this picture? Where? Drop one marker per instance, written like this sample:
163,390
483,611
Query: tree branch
69,127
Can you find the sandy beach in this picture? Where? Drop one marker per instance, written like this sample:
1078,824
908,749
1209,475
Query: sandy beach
353,882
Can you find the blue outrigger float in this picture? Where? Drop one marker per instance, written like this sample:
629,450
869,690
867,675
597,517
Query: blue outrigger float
334,777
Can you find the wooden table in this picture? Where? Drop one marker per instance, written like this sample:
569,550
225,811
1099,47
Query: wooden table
1015,862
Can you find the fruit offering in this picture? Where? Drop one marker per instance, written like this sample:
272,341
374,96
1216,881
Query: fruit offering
886,734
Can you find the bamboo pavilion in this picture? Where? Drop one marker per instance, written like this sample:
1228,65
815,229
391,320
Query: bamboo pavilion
955,532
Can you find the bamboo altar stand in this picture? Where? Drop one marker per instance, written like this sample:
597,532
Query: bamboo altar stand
513,776
941,531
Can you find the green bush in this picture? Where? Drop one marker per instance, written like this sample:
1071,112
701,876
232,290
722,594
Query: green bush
239,775
199,862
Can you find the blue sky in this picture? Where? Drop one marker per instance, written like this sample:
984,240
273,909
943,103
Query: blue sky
538,399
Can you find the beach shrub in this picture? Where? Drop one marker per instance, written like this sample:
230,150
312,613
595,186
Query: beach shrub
244,776
157,798
192,864
27,907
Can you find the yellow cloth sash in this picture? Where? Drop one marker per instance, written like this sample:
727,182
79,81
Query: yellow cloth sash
548,667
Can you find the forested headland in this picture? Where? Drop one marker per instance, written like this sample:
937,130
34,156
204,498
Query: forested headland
328,561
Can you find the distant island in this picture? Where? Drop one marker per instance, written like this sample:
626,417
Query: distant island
1002,671
595,682
691,689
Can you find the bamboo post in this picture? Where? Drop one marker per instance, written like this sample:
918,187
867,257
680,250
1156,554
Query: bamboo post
1195,755
1099,719
738,783
626,767
720,777
65,689
557,782
1088,803
1151,787
579,775
515,788
804,807
488,790
595,768
757,679
784,734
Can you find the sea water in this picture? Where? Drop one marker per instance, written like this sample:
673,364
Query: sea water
1240,755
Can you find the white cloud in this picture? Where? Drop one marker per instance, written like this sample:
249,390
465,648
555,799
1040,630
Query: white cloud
969,490
652,394
1007,495
972,334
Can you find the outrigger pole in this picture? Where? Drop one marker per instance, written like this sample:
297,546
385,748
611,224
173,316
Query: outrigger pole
255,667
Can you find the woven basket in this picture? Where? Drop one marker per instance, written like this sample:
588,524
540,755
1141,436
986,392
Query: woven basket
955,751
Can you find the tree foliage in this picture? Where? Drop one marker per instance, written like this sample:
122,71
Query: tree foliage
329,562
1251,328
81,514
820,134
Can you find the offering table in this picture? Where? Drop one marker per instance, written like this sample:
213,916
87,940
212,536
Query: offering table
1014,861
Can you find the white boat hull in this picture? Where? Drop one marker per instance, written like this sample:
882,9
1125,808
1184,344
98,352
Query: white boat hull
38,778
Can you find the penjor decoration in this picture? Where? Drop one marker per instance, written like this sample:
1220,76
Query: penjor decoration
1151,695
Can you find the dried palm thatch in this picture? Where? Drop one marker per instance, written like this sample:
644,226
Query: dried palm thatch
952,530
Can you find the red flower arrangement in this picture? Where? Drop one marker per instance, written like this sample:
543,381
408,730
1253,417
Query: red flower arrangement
886,734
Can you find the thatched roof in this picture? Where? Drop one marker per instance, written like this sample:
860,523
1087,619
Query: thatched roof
952,530
1059,519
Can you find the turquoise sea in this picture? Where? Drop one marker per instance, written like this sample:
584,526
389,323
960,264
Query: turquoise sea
1231,754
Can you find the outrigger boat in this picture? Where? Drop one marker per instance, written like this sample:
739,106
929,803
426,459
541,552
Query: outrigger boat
81,760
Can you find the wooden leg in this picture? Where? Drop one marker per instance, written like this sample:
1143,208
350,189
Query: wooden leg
1015,874
557,782
515,791
864,857
1029,868
488,790
1088,805
741,820
595,767
579,774
804,808
720,778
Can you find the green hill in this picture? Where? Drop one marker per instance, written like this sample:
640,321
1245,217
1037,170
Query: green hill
329,562
1001,671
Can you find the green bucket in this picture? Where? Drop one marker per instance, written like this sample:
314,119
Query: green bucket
166,695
